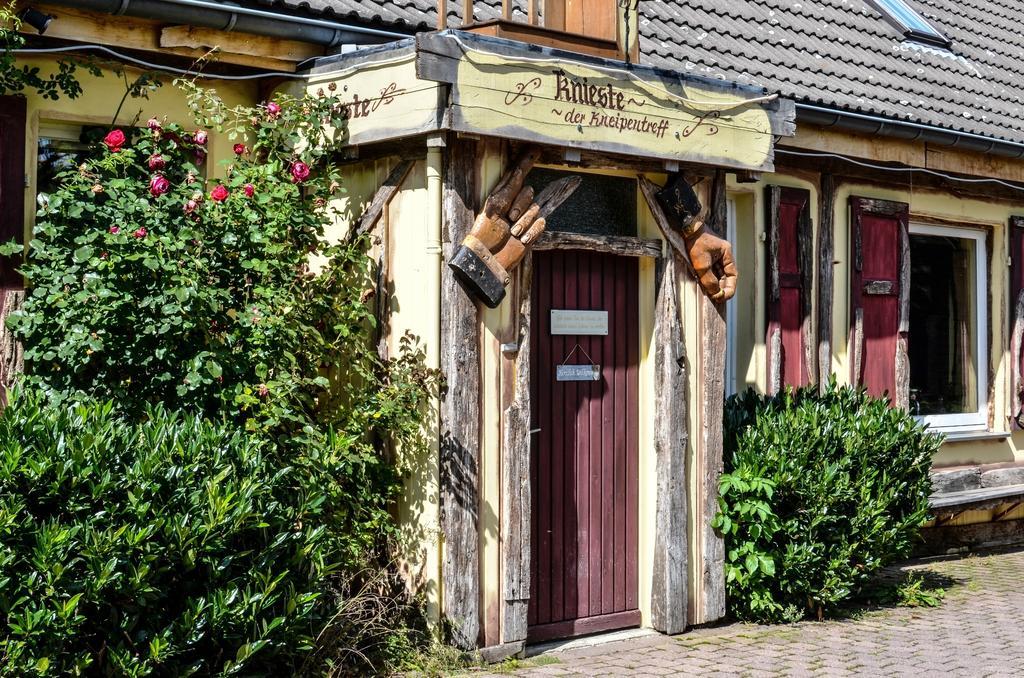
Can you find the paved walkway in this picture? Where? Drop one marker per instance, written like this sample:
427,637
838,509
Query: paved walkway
978,630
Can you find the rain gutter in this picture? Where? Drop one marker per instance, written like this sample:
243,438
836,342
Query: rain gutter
899,129
230,17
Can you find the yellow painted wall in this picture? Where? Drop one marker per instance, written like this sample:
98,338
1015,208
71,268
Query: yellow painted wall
924,205
98,104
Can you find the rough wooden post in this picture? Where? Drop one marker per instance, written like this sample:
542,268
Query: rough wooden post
11,359
515,518
712,361
669,589
826,272
460,416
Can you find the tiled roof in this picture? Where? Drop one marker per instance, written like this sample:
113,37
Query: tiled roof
842,54
410,15
834,53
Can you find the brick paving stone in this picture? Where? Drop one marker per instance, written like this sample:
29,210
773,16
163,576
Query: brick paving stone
975,632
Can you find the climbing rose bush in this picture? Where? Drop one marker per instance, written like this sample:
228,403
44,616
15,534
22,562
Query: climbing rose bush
196,479
151,283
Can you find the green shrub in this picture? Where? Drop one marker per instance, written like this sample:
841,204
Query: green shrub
820,491
170,545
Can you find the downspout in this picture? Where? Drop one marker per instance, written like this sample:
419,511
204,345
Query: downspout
864,123
228,17
432,338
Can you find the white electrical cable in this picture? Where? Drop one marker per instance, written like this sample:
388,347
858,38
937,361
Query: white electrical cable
180,71
717,105
923,170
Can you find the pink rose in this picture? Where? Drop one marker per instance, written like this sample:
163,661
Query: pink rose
153,124
240,149
158,185
219,193
200,137
114,140
115,230
190,179
249,190
157,162
141,232
273,110
190,206
300,172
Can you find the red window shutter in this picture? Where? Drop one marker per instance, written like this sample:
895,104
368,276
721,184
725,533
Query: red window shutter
789,287
12,183
880,297
1017,316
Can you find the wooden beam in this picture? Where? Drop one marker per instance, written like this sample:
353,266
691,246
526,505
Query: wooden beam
192,37
381,198
649,189
902,396
467,12
709,445
460,415
442,14
710,554
608,244
515,472
826,273
143,34
669,588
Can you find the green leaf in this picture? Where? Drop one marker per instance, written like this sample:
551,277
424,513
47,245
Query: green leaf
83,254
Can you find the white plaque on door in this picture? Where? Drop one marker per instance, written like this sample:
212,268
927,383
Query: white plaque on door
579,322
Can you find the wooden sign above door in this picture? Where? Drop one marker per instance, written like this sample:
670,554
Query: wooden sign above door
538,94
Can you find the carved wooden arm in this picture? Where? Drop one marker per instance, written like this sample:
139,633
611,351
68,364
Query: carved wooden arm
512,219
682,218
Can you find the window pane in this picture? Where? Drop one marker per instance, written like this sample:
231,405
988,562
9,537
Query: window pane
61,148
602,205
943,329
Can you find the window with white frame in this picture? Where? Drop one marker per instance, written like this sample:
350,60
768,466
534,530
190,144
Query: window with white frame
948,327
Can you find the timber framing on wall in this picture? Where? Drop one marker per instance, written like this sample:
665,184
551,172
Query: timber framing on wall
826,274
669,586
709,556
1017,333
515,472
459,416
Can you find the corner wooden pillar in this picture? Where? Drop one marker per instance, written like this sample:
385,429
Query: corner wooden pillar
460,415
669,589
711,601
515,481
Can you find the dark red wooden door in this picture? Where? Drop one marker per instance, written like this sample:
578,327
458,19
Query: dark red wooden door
583,468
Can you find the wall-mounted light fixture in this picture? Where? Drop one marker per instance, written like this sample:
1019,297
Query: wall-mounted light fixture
36,19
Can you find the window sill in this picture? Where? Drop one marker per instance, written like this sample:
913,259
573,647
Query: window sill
973,436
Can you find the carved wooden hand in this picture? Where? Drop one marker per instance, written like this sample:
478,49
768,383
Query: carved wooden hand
713,263
512,219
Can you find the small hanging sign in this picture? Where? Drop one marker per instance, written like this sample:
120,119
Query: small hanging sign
578,373
592,323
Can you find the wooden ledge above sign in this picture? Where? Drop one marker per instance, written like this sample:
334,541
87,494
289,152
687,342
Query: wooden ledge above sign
543,95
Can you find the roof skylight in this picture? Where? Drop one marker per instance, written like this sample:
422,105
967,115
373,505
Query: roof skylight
913,25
